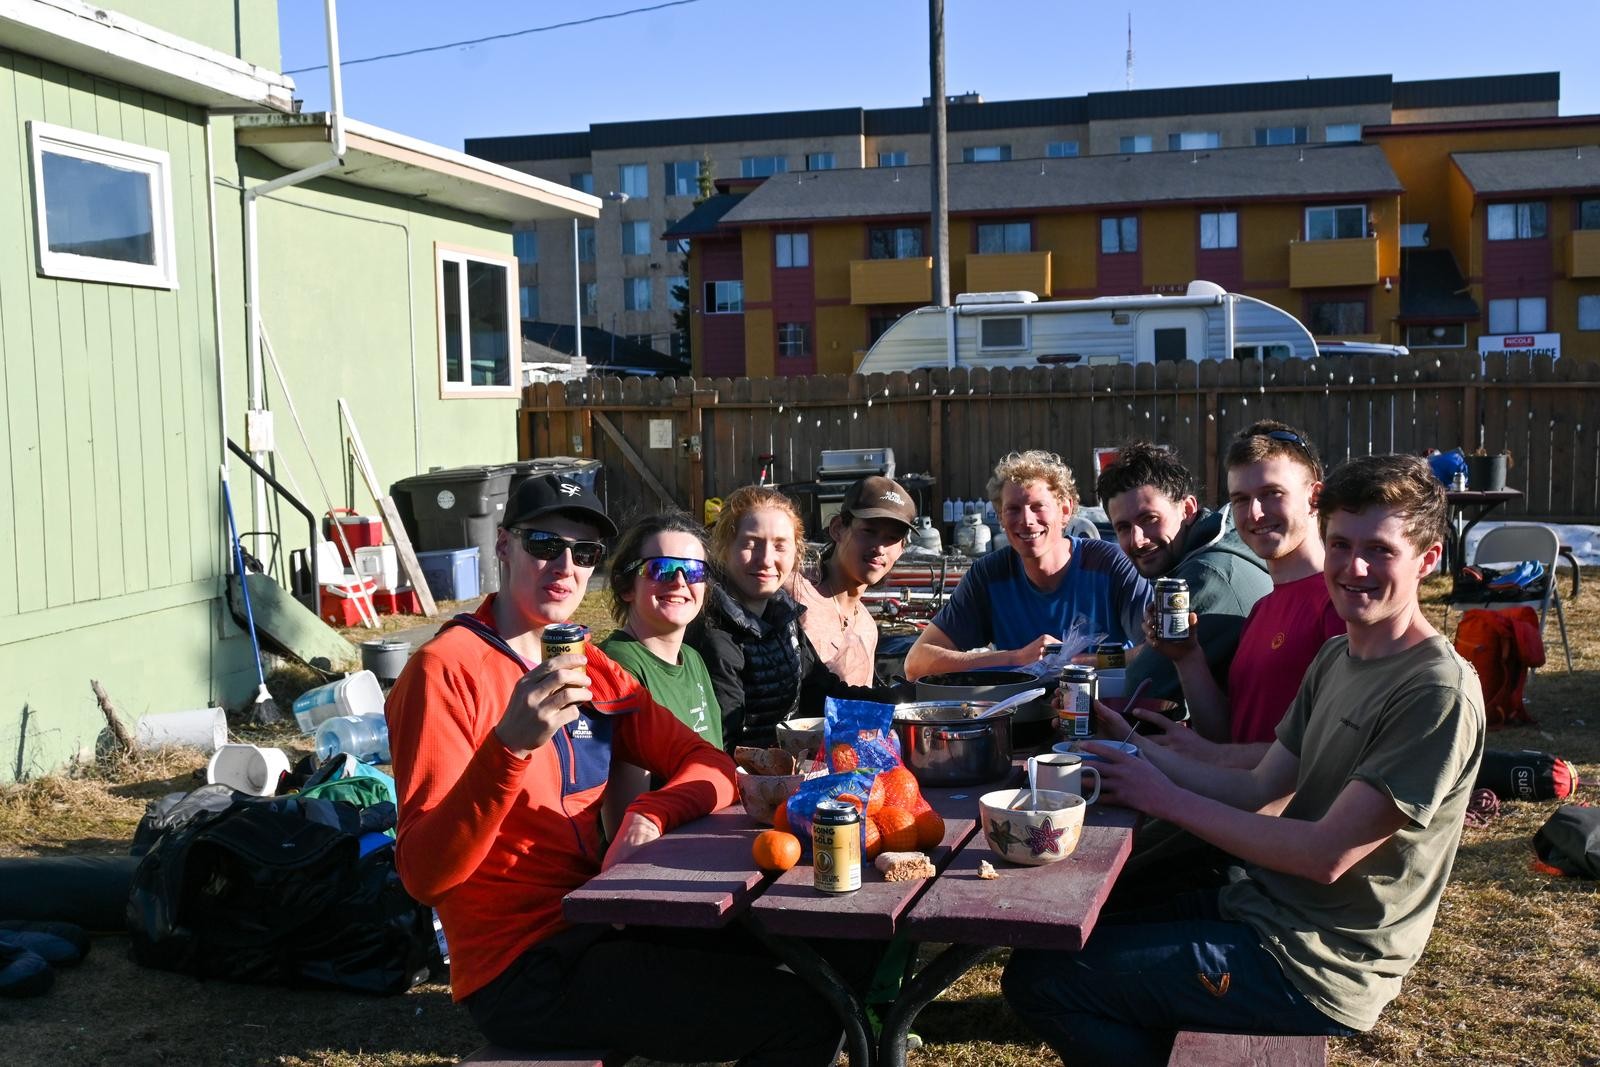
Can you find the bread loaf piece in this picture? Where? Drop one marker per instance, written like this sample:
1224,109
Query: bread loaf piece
904,866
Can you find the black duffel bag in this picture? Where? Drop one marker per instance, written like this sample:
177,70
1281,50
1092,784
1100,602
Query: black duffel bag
280,890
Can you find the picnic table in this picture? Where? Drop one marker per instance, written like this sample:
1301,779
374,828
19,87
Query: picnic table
701,876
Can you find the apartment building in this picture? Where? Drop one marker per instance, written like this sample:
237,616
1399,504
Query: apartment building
624,272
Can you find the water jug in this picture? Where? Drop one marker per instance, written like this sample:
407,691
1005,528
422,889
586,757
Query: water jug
366,737
925,535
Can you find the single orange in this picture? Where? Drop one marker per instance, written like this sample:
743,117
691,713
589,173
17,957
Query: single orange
780,817
876,796
874,840
843,757
900,789
776,851
898,829
930,829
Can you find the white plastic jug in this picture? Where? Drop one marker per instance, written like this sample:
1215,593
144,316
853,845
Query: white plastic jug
354,694
366,737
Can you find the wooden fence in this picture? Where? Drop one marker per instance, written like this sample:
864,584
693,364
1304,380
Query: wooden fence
954,424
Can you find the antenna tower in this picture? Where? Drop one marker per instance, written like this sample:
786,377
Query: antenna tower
1130,50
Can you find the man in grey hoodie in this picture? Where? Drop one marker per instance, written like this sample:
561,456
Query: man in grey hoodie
1149,497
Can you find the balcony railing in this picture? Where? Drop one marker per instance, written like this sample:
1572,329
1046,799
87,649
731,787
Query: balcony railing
1321,264
998,272
891,281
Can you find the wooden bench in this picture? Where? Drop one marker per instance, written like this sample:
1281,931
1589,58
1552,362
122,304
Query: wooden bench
495,1056
1194,1049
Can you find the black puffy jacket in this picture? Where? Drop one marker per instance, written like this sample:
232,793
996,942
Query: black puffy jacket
763,668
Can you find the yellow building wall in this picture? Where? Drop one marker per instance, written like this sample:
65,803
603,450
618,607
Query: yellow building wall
1167,245
1265,231
760,342
832,249
961,244
841,333
1071,240
756,249
1461,223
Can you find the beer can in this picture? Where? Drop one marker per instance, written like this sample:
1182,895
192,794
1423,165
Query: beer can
1172,604
1076,692
836,847
1110,655
562,638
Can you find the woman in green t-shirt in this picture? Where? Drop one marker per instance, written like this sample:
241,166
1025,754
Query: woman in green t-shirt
658,587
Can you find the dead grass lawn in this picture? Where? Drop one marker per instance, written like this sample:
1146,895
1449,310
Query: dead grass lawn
1511,975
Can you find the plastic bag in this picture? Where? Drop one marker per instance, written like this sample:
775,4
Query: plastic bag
1075,642
859,734
813,791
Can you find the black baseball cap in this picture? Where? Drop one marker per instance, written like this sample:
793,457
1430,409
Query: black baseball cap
557,494
877,497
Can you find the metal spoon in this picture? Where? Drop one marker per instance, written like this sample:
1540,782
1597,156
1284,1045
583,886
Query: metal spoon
1138,691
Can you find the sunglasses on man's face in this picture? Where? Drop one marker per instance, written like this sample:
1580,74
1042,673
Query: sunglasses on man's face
665,568
545,546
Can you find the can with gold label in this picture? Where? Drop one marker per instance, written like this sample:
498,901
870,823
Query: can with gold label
1172,607
836,847
562,638
1110,655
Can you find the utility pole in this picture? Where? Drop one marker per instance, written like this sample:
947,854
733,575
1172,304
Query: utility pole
941,197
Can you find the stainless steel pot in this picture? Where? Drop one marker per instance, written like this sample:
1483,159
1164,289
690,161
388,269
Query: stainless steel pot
989,685
943,743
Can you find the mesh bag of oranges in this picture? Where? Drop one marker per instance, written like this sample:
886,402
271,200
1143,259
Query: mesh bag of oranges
859,735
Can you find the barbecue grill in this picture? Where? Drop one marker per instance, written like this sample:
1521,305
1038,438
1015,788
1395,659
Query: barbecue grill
836,469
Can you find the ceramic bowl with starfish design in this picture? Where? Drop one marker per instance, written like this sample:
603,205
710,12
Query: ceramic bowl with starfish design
1033,833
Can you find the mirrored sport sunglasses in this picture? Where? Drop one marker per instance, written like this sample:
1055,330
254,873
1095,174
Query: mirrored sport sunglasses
665,568
545,546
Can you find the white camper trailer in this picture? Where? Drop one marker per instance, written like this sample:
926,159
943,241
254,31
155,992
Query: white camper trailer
1017,329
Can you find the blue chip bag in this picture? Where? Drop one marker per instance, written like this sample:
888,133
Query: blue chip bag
813,791
866,729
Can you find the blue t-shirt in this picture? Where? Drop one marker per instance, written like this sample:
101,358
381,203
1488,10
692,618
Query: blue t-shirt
995,603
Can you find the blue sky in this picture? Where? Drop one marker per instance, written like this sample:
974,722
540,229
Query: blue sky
715,57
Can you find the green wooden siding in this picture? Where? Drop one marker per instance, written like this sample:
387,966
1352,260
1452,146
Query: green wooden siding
107,459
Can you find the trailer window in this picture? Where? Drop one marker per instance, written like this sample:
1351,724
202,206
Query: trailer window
1172,344
1002,333
1262,352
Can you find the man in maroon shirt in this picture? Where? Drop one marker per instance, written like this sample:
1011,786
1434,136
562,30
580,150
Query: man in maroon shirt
1274,475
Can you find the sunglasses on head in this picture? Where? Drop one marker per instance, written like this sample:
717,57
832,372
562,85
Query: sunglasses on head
665,568
545,546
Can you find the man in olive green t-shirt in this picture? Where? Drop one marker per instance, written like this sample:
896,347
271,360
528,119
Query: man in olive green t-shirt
1348,826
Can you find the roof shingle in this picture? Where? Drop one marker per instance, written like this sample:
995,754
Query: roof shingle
1531,169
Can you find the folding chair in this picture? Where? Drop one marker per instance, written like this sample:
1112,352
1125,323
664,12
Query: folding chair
1514,544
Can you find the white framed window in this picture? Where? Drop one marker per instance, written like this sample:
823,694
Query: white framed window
1589,214
891,159
479,346
1522,314
1271,135
634,180
525,246
636,237
1342,131
591,297
1004,237
1413,235
683,178
1140,142
792,249
991,153
894,242
528,297
1336,223
677,292
636,294
102,208
1219,229
794,339
1007,333
1190,140
1589,312
1061,149
585,244
1443,335
819,161
762,166
1517,222
1119,235
724,298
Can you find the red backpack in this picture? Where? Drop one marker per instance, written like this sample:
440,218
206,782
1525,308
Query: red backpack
1501,646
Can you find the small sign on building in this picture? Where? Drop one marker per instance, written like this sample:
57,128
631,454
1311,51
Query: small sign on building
1520,344
660,433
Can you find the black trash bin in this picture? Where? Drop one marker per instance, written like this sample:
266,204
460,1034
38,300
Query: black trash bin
587,472
458,507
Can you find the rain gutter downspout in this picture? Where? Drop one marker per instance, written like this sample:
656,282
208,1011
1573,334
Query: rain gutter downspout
252,247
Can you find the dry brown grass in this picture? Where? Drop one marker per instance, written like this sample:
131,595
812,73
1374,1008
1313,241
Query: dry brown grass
1511,975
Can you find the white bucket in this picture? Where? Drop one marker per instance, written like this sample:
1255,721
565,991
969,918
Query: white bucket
202,728
248,768
354,694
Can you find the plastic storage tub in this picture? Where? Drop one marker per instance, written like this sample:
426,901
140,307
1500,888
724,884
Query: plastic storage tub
452,573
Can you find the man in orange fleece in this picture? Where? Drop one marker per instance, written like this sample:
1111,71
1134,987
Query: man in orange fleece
501,757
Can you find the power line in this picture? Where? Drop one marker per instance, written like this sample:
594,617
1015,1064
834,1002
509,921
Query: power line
498,36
